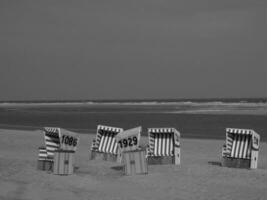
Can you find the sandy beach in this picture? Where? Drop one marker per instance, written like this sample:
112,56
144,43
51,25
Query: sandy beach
198,177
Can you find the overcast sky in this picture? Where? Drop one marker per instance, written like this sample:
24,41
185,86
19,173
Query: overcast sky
91,49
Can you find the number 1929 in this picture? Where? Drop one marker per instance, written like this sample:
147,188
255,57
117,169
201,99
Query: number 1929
131,141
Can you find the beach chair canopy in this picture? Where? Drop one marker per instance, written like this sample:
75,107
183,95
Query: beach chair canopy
129,140
241,142
162,141
58,138
52,140
105,141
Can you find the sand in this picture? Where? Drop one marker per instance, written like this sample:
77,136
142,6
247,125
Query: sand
198,177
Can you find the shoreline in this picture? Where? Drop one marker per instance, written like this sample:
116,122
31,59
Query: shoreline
92,131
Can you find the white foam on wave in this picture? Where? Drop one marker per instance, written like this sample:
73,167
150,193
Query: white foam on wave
143,103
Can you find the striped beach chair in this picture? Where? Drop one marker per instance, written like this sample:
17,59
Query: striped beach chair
105,146
241,148
164,146
56,139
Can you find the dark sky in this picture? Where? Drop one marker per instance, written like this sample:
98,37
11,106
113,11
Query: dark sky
87,49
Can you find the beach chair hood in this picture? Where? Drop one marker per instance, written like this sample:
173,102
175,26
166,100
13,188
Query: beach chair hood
105,139
163,142
129,140
58,138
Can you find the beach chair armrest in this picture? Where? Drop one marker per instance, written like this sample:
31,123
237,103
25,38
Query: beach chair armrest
225,153
93,146
148,151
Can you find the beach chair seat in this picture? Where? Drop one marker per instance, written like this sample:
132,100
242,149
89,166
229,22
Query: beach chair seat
241,148
105,146
164,146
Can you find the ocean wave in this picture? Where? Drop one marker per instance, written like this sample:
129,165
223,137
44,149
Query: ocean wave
140,103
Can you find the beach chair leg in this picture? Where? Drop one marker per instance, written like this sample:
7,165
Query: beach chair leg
177,157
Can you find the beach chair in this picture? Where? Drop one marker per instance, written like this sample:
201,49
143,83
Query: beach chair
241,149
164,146
57,140
105,146
133,156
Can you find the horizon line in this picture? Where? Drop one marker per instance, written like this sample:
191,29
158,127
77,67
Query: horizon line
133,99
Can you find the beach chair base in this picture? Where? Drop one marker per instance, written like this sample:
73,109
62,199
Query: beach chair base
160,160
95,155
45,165
63,162
236,162
134,162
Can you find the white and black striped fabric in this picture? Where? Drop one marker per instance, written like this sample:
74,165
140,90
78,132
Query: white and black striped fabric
162,142
224,151
105,139
42,153
52,140
238,143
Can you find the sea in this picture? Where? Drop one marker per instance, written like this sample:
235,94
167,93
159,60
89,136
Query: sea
193,118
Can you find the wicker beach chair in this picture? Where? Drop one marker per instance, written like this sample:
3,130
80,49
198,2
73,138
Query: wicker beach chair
164,146
241,149
105,146
56,139
133,155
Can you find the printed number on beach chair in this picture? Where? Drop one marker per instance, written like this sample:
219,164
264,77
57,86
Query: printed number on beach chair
164,146
128,140
105,143
241,148
68,140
